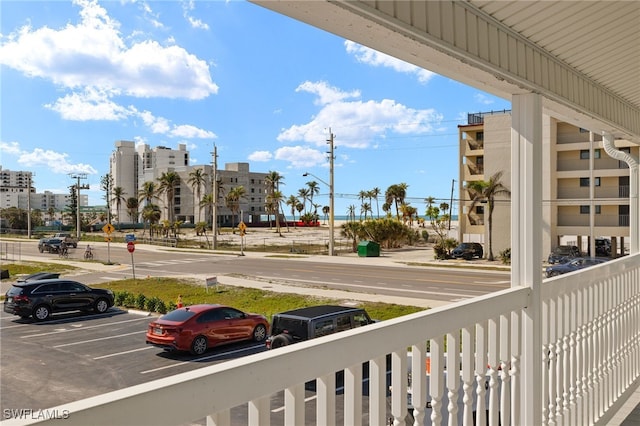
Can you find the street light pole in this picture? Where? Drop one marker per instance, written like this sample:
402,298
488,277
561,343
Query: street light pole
332,251
78,176
214,194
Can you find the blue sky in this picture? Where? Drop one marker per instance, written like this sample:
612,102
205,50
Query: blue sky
264,88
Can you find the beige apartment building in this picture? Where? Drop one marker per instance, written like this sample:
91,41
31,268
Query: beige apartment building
131,166
586,195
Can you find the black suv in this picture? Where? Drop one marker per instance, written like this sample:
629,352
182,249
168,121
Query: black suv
43,297
315,321
468,251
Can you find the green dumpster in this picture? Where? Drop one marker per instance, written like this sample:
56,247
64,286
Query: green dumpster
368,249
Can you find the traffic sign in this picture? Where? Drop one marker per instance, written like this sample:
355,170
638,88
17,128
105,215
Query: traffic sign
107,239
131,247
242,226
108,228
129,237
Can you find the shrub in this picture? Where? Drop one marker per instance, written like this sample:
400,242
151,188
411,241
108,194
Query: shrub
161,307
152,304
120,297
505,256
171,307
140,301
440,251
425,235
129,300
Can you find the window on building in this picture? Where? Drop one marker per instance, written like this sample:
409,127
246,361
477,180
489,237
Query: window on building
252,181
480,210
253,190
586,209
480,136
584,154
585,182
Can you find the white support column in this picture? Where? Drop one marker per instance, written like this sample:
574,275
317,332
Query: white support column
526,242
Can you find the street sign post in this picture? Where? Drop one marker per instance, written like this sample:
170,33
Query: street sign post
243,229
131,247
108,229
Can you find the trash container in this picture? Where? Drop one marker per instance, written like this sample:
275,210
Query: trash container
368,249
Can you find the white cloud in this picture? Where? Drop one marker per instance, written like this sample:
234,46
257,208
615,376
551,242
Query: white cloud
56,162
300,156
89,105
191,132
374,58
187,7
94,53
357,123
260,156
482,99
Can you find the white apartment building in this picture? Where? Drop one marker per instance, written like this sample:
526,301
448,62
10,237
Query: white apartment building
587,194
131,167
14,189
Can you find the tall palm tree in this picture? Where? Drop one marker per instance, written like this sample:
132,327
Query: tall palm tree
147,194
431,212
481,191
325,212
197,178
273,181
362,195
303,195
118,197
375,193
351,212
293,202
132,209
151,213
207,202
232,201
314,189
395,195
168,182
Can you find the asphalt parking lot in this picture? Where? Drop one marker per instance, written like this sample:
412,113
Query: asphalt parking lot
74,356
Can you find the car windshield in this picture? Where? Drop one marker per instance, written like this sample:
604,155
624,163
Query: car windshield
15,291
563,250
179,315
292,326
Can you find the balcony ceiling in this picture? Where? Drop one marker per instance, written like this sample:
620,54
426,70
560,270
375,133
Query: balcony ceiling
598,41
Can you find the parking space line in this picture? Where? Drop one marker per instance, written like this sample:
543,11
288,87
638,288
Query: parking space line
123,353
200,359
84,328
97,340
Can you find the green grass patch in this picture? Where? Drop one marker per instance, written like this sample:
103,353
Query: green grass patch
26,268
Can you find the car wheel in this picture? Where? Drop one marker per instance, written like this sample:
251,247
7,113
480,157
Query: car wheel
199,345
279,341
40,249
101,306
41,312
259,333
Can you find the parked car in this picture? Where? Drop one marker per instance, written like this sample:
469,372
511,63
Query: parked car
307,323
197,328
468,251
39,276
562,254
572,265
41,298
603,247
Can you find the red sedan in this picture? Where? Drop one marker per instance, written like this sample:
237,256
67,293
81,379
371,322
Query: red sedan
199,327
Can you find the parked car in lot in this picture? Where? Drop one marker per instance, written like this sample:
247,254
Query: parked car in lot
41,298
197,328
572,265
307,323
39,276
562,254
468,251
603,247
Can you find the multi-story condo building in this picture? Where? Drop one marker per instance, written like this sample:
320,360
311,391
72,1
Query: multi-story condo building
14,187
131,167
586,196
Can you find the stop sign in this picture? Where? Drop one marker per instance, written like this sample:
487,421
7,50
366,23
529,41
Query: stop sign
131,246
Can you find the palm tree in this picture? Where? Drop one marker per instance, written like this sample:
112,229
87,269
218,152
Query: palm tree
273,181
118,198
151,213
303,195
395,195
168,182
431,212
207,201
293,202
325,212
232,201
375,193
132,208
148,194
197,178
361,196
314,189
487,191
351,212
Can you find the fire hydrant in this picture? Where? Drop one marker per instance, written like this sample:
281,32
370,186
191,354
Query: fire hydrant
179,301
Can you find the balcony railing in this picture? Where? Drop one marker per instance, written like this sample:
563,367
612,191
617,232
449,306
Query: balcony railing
590,355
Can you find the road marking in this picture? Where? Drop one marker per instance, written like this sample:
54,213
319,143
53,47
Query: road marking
98,339
191,361
84,328
123,353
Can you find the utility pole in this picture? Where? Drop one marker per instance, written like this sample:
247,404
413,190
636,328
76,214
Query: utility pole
331,195
453,181
29,205
214,209
78,176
